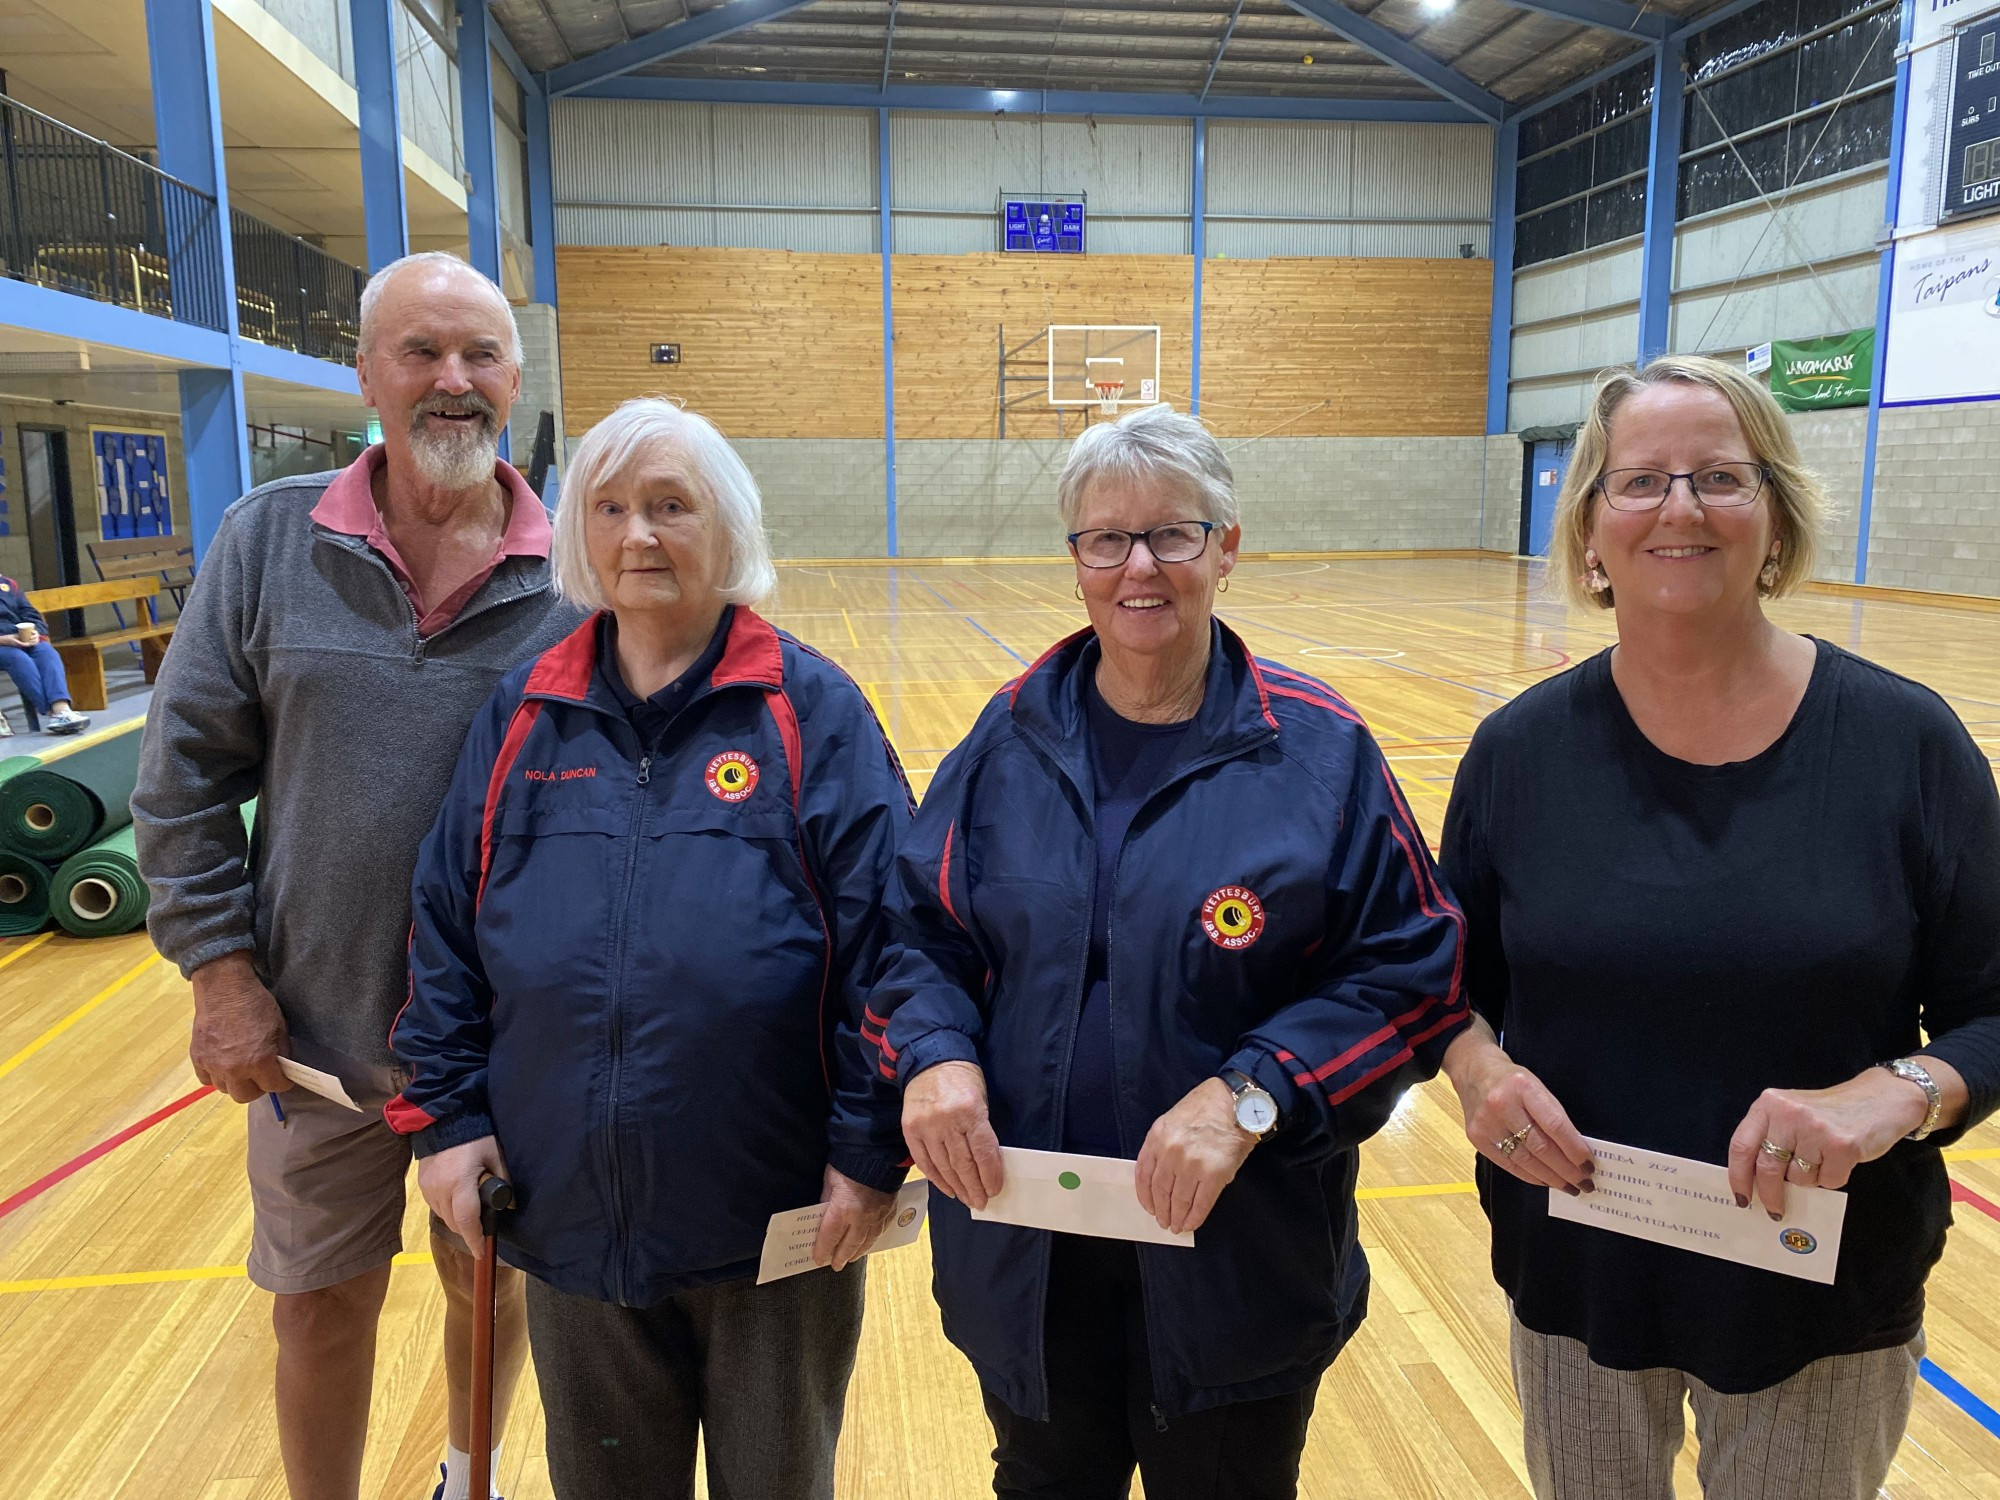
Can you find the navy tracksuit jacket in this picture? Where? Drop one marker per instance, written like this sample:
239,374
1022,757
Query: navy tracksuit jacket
1276,911
643,968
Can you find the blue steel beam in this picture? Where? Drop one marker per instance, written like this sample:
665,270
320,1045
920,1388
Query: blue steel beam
883,177
655,46
1500,244
541,198
1034,101
1663,180
1199,244
475,108
1884,284
1373,36
1221,47
1603,15
889,44
383,198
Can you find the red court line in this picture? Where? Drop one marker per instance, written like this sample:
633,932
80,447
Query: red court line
1960,1193
103,1148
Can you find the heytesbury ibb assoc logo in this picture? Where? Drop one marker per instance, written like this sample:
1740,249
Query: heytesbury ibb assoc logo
1798,1241
1232,917
732,776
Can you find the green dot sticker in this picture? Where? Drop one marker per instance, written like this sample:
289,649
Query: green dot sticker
1070,1180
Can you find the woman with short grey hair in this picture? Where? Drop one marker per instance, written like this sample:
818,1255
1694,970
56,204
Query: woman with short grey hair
1164,905
644,922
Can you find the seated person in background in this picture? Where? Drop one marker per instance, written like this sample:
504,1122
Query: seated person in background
28,658
644,928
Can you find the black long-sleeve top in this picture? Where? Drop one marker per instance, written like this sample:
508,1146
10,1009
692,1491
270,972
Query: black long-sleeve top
1660,941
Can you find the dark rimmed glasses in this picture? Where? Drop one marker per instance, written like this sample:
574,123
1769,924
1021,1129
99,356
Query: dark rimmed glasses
1108,547
1720,485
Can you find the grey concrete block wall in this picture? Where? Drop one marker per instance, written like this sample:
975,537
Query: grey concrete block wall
823,497
1833,444
1358,494
1936,515
1500,507
979,497
541,379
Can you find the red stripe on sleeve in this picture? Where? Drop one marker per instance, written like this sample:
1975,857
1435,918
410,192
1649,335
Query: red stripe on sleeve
518,727
944,875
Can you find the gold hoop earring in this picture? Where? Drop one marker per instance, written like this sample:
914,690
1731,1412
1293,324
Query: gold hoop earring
1079,593
1223,586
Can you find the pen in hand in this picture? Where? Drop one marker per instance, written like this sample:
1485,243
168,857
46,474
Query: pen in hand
276,1108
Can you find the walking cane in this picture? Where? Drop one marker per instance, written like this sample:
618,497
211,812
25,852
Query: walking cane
495,1198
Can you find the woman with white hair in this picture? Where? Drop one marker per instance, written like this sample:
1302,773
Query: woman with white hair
644,922
1165,902
1732,894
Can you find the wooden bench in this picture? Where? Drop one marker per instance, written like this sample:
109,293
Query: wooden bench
169,558
83,655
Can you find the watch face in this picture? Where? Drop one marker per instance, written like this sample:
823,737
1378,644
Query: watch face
1256,1112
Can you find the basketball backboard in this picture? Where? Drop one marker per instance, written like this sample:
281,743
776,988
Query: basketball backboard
1104,365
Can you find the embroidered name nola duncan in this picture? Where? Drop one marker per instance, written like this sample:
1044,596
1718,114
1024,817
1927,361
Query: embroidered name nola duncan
732,776
1232,917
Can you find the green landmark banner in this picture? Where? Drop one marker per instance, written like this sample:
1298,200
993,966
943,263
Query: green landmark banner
1823,372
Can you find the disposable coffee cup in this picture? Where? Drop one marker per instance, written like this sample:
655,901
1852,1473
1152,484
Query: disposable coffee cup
28,633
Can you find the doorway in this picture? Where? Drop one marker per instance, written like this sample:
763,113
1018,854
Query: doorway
45,484
1545,462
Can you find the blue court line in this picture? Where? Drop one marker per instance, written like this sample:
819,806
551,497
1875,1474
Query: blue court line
972,622
1963,1399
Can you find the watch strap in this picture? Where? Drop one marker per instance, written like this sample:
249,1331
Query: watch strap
1915,1072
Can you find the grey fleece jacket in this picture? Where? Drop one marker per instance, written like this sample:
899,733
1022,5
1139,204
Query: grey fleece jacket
297,677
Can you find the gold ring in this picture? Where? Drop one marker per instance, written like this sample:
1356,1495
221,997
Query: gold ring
1512,1143
1776,1152
1803,1165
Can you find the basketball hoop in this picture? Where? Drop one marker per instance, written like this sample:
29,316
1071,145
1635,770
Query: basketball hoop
1108,392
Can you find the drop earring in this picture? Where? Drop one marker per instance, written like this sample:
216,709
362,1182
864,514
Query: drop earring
1767,576
1222,587
1595,580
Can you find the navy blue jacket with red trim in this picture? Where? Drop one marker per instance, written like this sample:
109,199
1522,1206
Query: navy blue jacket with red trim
1276,911
645,973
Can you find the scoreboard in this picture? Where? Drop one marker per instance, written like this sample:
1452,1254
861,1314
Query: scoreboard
1972,145
1052,225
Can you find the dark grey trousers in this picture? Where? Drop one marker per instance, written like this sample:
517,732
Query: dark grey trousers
760,1371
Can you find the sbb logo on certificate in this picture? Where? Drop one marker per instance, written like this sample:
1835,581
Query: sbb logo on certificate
1671,1200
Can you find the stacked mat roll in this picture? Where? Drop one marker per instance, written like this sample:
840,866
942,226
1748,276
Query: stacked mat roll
49,809
24,895
98,893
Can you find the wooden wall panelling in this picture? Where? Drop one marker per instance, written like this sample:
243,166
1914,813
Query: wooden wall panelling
773,344
1345,347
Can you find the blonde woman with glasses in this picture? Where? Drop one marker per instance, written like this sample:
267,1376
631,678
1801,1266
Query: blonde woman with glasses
1733,894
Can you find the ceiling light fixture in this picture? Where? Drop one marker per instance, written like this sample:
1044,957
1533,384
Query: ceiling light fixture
1437,7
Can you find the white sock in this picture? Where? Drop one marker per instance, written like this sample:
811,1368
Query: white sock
458,1474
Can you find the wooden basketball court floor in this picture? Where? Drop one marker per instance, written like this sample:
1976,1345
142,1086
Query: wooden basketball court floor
135,1358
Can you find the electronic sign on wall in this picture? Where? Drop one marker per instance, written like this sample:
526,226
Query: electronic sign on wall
1972,143
1055,226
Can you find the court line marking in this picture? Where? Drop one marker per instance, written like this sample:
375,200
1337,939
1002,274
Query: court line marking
78,1014
28,947
972,622
1961,1398
104,1147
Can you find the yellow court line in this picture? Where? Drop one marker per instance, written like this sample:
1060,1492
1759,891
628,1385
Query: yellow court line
160,1278
850,627
26,948
1416,1190
1980,1153
78,1014
85,741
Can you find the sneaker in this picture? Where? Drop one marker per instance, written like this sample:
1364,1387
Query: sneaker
69,723
438,1493
6,729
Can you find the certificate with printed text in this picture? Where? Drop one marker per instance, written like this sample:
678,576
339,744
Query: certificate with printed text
1671,1200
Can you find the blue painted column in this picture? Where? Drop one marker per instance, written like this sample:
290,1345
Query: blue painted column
541,196
187,125
882,181
475,108
383,199
1886,278
1200,246
1663,183
1500,245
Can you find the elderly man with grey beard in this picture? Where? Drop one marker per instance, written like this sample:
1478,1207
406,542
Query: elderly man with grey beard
343,631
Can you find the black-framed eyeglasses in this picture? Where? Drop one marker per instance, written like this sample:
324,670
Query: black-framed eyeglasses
1108,547
1720,485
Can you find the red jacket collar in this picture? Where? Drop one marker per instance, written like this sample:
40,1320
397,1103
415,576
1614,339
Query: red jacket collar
752,654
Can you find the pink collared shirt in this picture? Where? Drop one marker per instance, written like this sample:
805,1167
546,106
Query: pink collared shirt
348,506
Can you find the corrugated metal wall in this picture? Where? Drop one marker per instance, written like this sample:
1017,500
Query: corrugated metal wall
947,173
1337,188
779,179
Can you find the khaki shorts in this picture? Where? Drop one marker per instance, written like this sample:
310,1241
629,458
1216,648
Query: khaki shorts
328,1187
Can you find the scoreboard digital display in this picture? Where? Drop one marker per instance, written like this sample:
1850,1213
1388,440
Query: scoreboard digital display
1054,226
1972,147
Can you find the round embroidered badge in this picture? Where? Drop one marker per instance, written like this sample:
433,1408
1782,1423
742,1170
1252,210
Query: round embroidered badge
1232,917
732,776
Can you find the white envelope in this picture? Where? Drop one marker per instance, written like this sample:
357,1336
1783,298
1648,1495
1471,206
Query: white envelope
1075,1194
314,1081
1671,1200
788,1242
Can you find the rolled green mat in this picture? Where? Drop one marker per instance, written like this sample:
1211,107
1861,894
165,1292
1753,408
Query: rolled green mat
24,896
69,801
98,893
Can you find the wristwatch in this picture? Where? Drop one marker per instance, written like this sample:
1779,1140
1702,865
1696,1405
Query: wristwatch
1256,1110
1917,1073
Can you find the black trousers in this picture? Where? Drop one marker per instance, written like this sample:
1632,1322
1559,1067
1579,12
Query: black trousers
1101,1416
